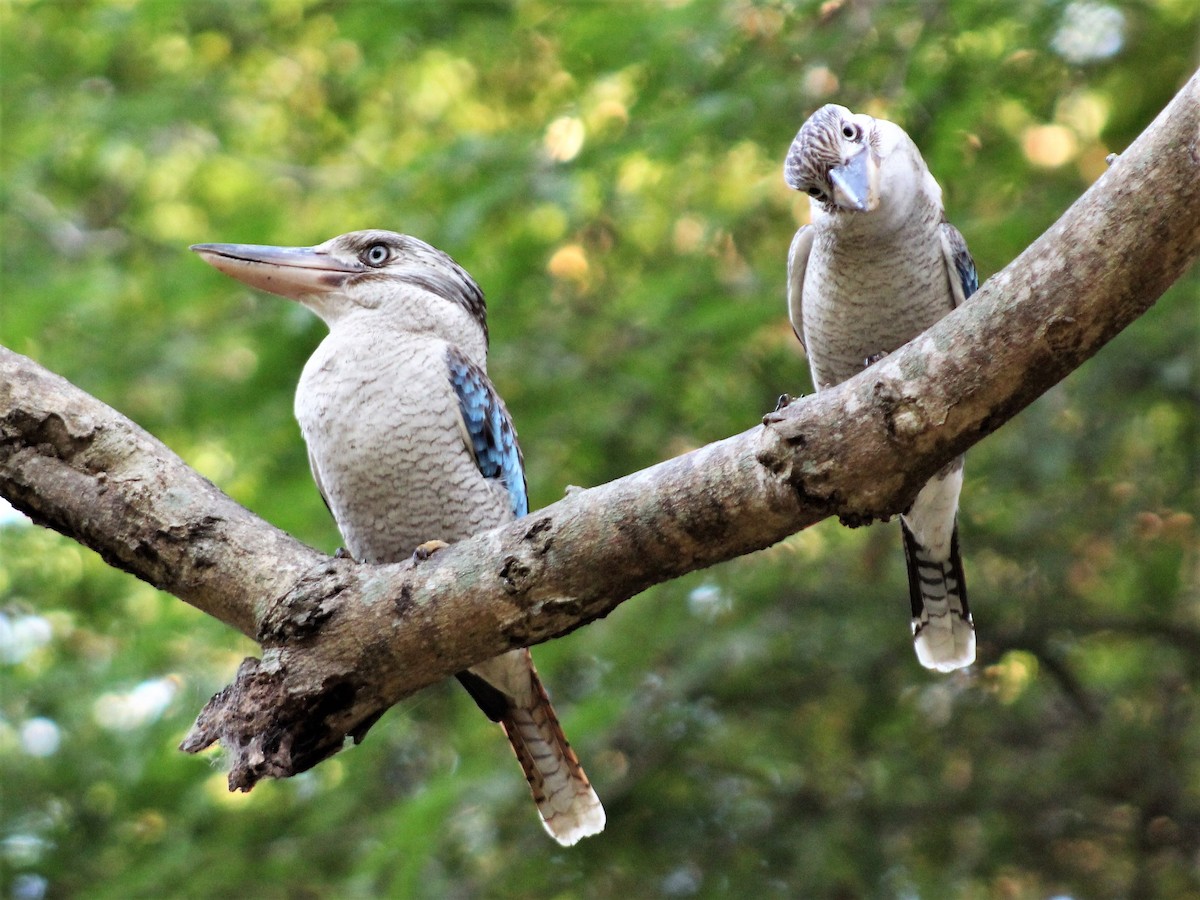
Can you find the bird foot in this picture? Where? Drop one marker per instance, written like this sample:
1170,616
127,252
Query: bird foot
343,553
874,358
784,401
427,550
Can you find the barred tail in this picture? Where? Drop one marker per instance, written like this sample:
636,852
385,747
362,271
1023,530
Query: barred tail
569,808
943,633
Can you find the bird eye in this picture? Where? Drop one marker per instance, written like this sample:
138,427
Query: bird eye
851,132
816,192
376,254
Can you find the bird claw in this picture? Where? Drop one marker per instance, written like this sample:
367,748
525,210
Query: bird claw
776,415
343,553
427,549
874,358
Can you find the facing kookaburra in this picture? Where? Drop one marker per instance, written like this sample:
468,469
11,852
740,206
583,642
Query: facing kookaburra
878,265
409,444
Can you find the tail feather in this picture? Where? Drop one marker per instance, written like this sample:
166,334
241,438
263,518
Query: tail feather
943,633
569,808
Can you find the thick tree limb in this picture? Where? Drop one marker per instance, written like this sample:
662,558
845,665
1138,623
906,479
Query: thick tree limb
342,642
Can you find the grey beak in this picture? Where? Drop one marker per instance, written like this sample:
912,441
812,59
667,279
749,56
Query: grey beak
852,183
292,272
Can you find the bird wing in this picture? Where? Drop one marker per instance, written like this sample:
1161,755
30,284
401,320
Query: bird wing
316,474
488,430
964,280
797,264
507,687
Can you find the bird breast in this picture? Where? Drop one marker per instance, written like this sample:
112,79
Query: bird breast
863,298
381,420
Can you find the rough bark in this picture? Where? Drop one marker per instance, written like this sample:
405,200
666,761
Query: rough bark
342,642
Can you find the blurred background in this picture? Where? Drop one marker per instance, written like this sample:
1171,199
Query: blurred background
611,175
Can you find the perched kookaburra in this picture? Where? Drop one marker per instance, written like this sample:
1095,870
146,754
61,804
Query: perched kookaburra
878,265
410,443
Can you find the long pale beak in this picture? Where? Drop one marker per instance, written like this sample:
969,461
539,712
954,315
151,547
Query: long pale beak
293,272
852,183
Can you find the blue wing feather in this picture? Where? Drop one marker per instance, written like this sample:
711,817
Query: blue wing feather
960,258
490,428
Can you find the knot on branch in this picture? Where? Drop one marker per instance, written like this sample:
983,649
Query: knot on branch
837,457
311,602
53,434
785,450
904,415
1061,334
781,440
523,566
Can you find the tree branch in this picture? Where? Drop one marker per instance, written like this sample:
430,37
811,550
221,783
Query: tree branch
342,642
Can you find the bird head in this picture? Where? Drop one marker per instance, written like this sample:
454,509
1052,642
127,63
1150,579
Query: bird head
853,163
392,277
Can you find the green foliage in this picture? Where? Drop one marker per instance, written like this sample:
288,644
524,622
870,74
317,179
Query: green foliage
610,173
